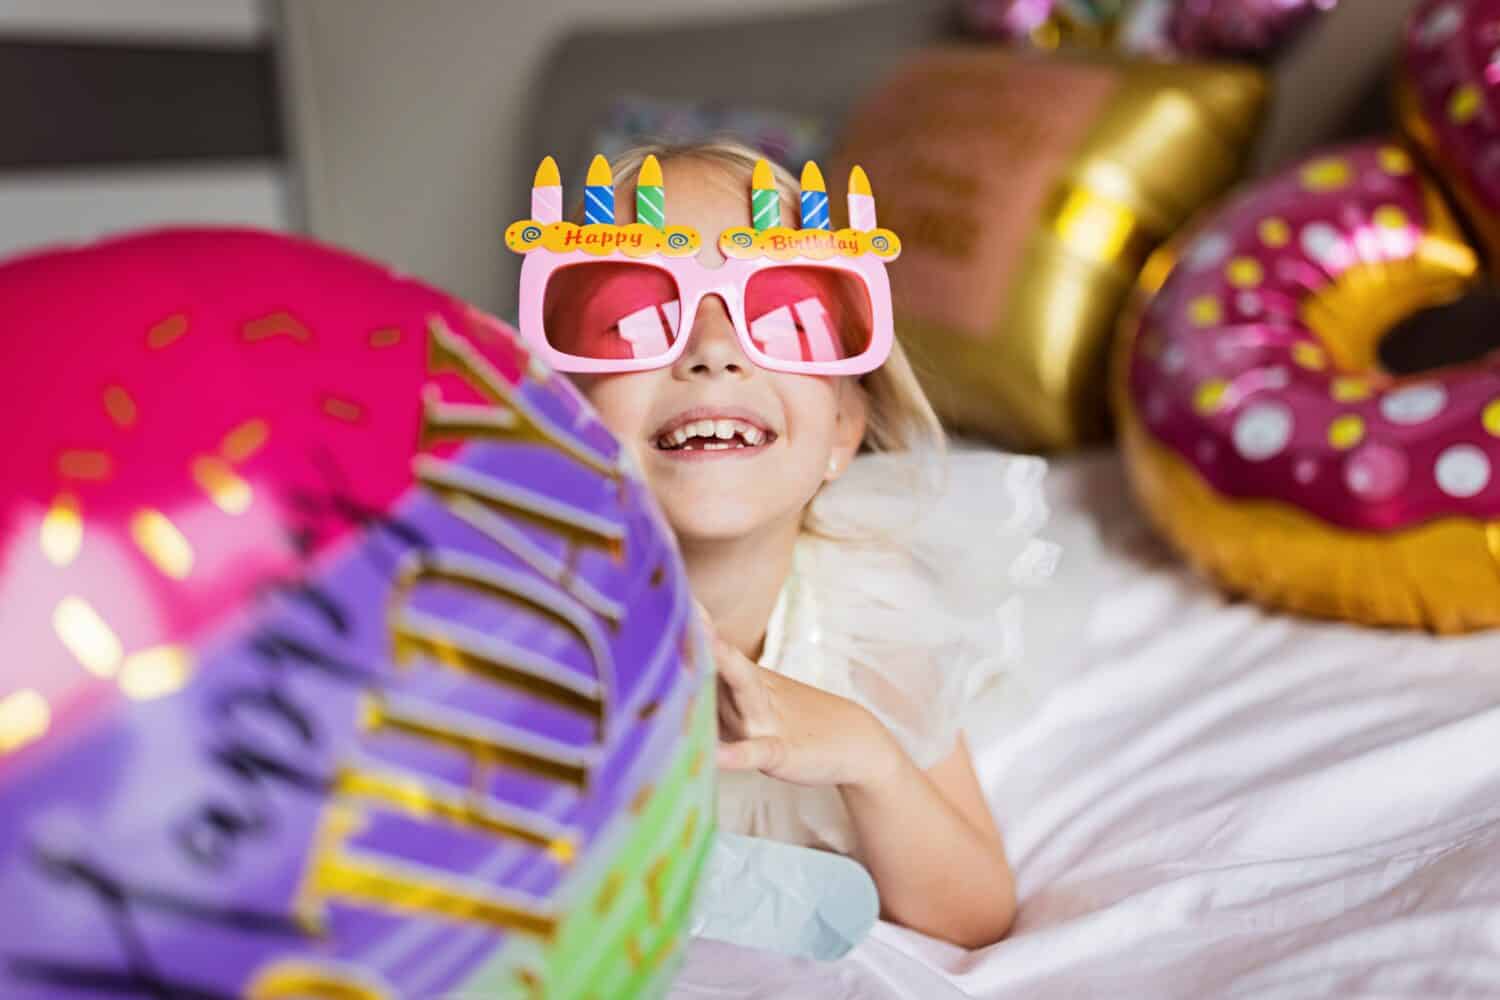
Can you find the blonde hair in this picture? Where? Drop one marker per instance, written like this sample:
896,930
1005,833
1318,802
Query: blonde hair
900,418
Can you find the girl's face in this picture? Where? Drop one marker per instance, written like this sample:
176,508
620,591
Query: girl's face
727,448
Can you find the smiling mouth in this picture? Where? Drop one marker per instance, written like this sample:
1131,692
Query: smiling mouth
721,434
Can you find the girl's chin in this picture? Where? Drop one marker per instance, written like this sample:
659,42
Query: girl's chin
697,528
715,517
739,501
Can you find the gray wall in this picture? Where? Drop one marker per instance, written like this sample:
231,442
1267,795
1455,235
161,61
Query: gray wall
96,156
406,113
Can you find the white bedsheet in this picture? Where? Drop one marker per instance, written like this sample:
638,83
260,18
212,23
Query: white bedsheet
1215,801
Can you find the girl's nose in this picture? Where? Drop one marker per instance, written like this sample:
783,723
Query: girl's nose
713,347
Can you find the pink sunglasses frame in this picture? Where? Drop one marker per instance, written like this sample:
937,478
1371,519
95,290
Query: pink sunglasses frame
695,282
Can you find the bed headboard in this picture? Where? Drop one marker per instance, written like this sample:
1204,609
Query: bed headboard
1332,85
817,63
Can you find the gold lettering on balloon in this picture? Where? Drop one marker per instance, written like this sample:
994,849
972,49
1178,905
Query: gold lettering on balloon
357,878
416,634
454,483
294,979
485,517
485,745
414,796
361,875
450,354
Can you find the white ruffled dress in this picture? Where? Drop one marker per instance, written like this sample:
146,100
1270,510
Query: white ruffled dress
907,600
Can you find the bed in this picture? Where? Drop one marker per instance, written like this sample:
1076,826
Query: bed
1214,800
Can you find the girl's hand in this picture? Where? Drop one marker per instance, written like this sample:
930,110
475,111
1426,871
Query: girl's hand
796,732
958,886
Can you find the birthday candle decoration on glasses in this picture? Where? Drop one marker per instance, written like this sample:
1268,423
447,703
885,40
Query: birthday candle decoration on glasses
650,195
599,194
814,198
861,201
765,200
546,192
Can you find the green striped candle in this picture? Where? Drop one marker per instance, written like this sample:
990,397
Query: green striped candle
765,200
650,195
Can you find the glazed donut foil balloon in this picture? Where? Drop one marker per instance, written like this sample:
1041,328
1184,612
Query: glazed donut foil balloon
1241,28
344,655
1028,191
1195,29
1262,432
1448,100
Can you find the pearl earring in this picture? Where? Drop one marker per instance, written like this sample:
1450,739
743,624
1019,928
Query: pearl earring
833,467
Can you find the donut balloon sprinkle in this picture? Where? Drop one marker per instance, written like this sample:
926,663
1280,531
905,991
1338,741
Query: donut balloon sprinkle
344,655
1264,436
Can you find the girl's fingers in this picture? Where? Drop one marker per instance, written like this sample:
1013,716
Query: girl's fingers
731,725
743,679
762,753
733,667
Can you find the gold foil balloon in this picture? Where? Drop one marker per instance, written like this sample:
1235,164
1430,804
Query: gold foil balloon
1263,434
1028,192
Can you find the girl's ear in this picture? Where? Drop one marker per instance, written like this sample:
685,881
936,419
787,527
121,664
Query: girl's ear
849,427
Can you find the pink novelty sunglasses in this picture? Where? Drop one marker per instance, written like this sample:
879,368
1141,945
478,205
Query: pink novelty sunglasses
603,297
586,313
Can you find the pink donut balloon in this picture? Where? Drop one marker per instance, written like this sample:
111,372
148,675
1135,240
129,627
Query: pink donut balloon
1448,101
1263,435
1248,29
344,655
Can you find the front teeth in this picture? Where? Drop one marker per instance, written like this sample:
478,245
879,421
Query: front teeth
720,434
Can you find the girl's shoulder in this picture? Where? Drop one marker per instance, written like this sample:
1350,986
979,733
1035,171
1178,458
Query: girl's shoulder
966,523
914,578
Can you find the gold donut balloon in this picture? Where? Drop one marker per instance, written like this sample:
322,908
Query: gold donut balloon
1028,191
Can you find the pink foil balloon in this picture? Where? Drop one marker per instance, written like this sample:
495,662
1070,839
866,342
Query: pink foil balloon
1262,427
343,656
1448,100
1247,29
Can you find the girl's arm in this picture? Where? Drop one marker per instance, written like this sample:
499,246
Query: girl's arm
927,837
930,842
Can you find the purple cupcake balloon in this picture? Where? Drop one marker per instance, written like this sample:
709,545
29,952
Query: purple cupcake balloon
346,656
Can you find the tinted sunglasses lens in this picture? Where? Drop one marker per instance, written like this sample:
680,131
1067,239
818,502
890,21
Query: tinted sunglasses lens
807,314
611,310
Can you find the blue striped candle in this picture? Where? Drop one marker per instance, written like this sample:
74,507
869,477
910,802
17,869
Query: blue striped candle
599,194
814,198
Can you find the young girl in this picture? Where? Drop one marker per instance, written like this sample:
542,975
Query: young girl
857,579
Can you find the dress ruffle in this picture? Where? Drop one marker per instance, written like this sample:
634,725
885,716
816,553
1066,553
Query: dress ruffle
907,598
